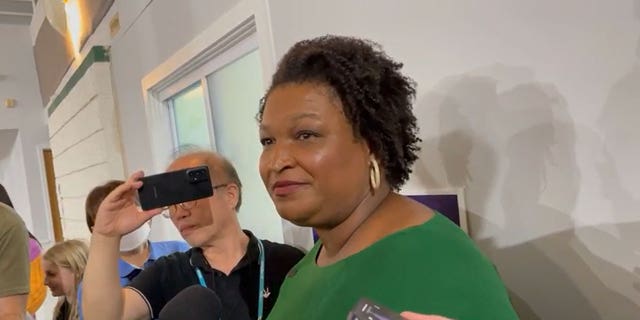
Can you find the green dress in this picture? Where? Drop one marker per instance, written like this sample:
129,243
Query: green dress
432,268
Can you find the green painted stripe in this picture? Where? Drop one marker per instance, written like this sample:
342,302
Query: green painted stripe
96,54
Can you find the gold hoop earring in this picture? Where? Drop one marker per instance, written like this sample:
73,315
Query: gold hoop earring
374,173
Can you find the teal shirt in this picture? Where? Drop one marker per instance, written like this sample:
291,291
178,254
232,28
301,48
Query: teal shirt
432,268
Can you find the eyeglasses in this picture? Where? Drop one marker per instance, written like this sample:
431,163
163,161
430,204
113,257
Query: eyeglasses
188,206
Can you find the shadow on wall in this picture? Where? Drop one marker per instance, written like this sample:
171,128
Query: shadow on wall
619,123
511,143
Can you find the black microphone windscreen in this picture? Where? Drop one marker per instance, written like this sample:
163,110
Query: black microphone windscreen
195,302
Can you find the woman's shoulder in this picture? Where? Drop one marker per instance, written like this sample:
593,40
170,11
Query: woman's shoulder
440,256
437,236
434,241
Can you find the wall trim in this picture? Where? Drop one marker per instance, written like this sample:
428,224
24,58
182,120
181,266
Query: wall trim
96,54
238,24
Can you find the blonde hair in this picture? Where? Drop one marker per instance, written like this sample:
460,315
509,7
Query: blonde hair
71,255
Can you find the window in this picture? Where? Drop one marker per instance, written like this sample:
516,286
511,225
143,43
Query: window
214,106
188,114
208,94
235,91
219,97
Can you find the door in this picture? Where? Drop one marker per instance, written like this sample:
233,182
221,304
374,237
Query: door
53,195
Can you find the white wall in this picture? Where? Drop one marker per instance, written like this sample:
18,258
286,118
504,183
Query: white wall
23,173
12,173
85,143
533,107
7,141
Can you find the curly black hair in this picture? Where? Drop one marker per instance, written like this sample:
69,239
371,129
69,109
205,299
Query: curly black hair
376,97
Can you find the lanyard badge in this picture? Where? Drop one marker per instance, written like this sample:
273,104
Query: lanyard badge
261,291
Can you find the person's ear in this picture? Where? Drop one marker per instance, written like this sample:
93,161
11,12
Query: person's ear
366,149
232,194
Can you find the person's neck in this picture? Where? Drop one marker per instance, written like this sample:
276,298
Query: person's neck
343,240
138,256
225,251
70,298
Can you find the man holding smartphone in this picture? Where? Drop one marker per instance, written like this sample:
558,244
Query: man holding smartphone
224,258
136,251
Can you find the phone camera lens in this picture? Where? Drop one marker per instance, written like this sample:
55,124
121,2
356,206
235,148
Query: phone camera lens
197,175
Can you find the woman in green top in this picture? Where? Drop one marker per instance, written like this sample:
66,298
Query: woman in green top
339,138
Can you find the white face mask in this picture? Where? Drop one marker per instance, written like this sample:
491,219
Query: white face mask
135,238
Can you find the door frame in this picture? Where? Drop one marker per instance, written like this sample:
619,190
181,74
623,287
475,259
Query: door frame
55,232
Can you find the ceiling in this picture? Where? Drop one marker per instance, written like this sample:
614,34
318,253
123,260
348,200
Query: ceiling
16,11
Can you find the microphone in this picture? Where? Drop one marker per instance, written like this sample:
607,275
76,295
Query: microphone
195,302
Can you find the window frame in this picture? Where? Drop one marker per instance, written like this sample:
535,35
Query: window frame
224,41
200,75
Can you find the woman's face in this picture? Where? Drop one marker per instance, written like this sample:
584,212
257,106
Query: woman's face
313,167
61,281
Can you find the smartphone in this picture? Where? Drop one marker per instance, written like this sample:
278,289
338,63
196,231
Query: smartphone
174,187
365,309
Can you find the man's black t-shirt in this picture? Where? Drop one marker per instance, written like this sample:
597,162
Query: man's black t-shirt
238,292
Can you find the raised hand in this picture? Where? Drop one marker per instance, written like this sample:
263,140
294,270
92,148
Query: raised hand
119,214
